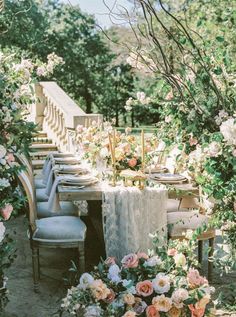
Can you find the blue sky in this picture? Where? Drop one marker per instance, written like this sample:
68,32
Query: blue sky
98,8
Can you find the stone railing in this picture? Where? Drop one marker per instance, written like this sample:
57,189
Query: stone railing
58,115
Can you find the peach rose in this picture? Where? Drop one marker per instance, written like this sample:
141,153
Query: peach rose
195,279
203,302
142,255
129,299
144,288
99,290
10,158
196,312
174,312
129,313
132,162
152,312
6,211
172,252
130,261
162,303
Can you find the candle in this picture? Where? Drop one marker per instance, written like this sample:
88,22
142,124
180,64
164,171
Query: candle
112,150
143,149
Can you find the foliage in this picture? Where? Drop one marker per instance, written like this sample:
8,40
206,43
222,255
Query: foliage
18,76
41,27
166,284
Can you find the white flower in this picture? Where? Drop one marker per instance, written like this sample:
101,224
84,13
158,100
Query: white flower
104,152
214,149
128,108
178,296
4,182
180,259
41,71
228,129
129,102
85,280
92,311
2,231
3,151
153,261
161,283
113,273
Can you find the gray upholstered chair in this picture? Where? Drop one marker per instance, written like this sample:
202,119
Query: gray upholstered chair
67,208
181,221
53,232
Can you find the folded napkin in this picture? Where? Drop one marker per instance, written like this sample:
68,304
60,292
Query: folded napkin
53,201
66,160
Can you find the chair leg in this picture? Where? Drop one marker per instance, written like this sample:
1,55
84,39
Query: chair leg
210,263
39,264
81,258
200,251
35,263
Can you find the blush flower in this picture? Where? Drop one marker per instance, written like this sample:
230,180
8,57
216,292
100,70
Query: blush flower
179,296
195,279
161,283
99,290
196,312
162,303
130,261
172,252
144,288
6,211
10,158
151,311
132,162
142,255
129,299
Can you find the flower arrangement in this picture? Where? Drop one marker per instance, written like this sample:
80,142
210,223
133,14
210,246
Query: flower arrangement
94,142
165,284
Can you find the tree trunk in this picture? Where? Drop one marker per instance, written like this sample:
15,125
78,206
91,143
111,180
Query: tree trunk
88,100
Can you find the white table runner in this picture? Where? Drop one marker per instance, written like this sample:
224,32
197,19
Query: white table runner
130,215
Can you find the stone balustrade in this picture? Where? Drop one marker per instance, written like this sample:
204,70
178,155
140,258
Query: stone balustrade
58,115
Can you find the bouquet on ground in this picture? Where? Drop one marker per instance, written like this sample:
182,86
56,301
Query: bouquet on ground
166,284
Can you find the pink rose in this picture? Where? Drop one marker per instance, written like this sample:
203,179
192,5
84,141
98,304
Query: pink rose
110,260
193,141
130,261
172,252
132,162
142,255
234,152
144,288
6,211
10,158
151,311
196,312
195,279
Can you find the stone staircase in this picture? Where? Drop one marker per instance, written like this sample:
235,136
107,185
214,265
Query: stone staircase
40,148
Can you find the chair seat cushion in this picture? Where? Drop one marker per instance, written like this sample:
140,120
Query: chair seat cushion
181,221
67,209
38,183
59,230
41,195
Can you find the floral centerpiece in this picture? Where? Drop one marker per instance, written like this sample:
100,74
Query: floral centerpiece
166,284
94,142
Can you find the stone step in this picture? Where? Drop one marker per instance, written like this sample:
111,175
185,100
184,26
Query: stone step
41,154
40,134
37,164
41,140
43,147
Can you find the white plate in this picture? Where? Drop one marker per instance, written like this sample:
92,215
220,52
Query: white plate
168,177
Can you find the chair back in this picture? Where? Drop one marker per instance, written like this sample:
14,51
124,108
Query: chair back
22,159
30,193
